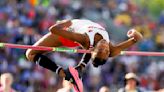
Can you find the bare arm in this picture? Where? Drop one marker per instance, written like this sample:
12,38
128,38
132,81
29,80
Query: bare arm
60,29
134,37
115,50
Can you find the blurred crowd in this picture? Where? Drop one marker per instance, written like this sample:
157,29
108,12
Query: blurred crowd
25,21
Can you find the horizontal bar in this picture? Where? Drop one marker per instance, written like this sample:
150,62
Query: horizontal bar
58,49
139,53
43,48
27,47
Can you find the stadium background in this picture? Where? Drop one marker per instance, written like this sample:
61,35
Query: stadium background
25,21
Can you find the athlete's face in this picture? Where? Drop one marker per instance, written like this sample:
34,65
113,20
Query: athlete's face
101,51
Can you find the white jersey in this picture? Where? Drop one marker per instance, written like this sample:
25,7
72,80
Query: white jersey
90,28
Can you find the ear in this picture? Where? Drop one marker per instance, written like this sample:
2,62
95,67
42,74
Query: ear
93,52
93,55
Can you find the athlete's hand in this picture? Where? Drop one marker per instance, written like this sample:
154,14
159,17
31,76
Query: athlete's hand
133,33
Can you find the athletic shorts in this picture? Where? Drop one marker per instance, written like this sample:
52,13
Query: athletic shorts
67,42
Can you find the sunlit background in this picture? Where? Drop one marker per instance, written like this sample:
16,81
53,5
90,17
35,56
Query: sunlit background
25,21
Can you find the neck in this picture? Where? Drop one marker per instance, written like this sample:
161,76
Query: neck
6,88
130,87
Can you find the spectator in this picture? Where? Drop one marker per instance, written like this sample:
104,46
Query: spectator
131,83
6,82
67,87
104,89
